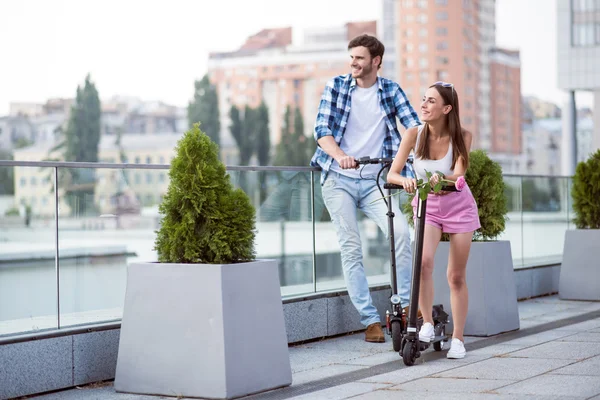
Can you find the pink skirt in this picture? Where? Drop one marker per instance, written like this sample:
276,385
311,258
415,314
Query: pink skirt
455,212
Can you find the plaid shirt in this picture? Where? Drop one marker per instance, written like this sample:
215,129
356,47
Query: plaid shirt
334,110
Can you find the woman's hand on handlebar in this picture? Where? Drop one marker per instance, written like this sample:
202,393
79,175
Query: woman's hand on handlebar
409,184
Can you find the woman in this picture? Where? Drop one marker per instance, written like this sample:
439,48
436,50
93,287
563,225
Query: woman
441,145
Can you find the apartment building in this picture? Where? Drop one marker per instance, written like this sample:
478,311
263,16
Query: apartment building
269,67
506,145
578,27
34,186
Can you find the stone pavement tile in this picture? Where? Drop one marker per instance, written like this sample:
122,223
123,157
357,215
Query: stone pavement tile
582,326
105,392
385,394
307,359
542,337
496,350
590,367
553,316
405,374
341,392
452,385
504,368
582,337
355,342
561,350
376,359
315,374
555,385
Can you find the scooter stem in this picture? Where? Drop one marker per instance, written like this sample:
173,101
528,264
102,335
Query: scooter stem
416,267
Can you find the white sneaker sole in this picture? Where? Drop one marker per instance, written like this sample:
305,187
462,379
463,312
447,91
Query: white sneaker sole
455,356
426,339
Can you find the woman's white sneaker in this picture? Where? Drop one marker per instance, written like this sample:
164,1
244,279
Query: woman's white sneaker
426,334
457,349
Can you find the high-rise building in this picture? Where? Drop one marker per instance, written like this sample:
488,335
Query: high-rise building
454,41
436,40
506,145
270,68
578,27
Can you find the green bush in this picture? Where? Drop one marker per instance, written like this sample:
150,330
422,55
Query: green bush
12,212
484,177
204,218
586,193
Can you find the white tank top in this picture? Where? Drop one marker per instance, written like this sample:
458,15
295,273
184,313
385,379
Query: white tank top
443,165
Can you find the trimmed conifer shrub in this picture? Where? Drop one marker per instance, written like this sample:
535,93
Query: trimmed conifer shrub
586,193
204,218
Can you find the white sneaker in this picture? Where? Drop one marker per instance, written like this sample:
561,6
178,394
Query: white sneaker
457,349
426,334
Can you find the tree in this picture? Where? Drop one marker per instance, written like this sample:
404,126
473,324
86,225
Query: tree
7,177
82,138
263,145
294,148
205,109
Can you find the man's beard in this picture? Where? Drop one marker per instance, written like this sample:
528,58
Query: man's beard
364,71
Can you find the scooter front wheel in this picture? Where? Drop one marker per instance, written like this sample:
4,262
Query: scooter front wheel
396,335
409,353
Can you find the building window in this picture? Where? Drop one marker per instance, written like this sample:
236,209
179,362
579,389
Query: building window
137,160
441,31
408,18
423,62
584,34
422,3
33,181
422,18
441,2
423,32
586,5
442,60
423,47
148,160
148,177
442,75
442,45
23,182
138,178
408,33
441,15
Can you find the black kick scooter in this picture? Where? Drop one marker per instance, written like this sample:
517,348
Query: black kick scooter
403,328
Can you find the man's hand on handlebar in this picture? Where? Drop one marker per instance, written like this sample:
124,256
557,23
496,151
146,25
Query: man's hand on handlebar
347,162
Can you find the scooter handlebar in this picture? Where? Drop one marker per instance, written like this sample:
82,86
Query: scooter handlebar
449,188
377,160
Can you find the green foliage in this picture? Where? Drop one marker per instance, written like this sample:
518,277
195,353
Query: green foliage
205,109
82,138
12,212
294,148
484,177
204,219
7,175
263,146
586,192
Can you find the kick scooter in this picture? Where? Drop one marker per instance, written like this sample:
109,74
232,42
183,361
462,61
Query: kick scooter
402,328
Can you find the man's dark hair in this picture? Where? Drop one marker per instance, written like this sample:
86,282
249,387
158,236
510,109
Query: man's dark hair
375,47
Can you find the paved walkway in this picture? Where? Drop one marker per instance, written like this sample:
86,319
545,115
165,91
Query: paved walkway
555,355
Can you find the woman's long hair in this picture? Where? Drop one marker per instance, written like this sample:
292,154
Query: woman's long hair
449,96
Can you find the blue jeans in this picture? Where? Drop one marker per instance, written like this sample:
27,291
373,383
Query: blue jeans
343,196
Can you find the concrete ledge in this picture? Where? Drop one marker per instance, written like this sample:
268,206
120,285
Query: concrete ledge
41,362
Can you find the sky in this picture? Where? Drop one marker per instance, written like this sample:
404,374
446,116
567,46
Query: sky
155,49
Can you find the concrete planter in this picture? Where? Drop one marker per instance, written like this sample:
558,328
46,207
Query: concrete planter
580,269
211,331
492,290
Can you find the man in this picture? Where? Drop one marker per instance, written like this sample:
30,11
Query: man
357,118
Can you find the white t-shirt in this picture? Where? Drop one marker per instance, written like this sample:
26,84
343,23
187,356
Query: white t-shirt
365,132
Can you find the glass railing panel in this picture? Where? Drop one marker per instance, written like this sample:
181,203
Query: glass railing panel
28,289
283,203
107,220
